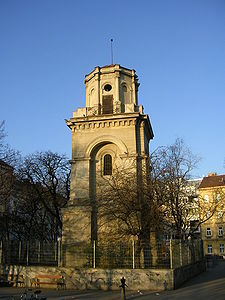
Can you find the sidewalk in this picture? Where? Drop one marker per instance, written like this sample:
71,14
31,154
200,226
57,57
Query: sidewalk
209,285
7,293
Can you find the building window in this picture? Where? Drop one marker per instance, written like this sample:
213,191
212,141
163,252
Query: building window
221,248
208,231
125,94
220,231
208,215
107,169
209,249
219,214
124,88
107,87
218,197
107,104
206,198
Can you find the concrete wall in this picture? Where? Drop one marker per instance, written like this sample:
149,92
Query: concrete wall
184,273
137,279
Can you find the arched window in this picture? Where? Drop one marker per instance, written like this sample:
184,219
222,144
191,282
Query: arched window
124,88
125,94
107,167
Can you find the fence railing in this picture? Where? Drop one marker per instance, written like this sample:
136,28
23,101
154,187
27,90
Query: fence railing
29,253
130,255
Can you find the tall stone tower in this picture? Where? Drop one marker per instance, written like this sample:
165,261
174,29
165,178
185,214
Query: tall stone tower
110,129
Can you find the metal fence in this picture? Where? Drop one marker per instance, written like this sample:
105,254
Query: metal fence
130,255
185,252
29,253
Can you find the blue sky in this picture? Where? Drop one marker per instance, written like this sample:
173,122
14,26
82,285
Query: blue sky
177,48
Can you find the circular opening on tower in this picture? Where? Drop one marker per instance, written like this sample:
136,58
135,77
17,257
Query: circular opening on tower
107,87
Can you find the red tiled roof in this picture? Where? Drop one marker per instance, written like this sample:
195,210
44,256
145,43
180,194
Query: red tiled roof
212,181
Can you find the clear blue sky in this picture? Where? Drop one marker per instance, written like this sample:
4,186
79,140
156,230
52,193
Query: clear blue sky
177,48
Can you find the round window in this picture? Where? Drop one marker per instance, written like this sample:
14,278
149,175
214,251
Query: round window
107,87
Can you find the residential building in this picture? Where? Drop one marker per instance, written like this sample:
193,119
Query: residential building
212,213
192,208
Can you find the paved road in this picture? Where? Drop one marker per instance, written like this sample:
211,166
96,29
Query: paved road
209,285
14,293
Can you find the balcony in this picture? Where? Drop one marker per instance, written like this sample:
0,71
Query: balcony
106,109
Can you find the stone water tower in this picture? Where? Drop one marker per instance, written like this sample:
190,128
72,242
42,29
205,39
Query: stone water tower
110,129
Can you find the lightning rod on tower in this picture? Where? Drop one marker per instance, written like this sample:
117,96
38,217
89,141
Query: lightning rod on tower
111,52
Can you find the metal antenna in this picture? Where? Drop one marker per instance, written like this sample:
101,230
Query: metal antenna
111,52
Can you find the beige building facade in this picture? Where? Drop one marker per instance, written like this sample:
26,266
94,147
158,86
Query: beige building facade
212,211
109,132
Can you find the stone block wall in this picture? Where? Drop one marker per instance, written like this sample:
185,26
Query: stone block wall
105,279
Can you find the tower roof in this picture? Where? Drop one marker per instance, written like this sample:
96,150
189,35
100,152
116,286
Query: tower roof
110,69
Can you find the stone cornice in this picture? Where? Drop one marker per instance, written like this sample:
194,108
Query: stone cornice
110,69
149,132
87,123
126,155
110,121
79,159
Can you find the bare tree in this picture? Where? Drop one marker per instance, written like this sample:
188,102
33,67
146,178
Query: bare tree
128,209
174,165
156,203
7,154
9,160
32,192
216,205
28,219
48,175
